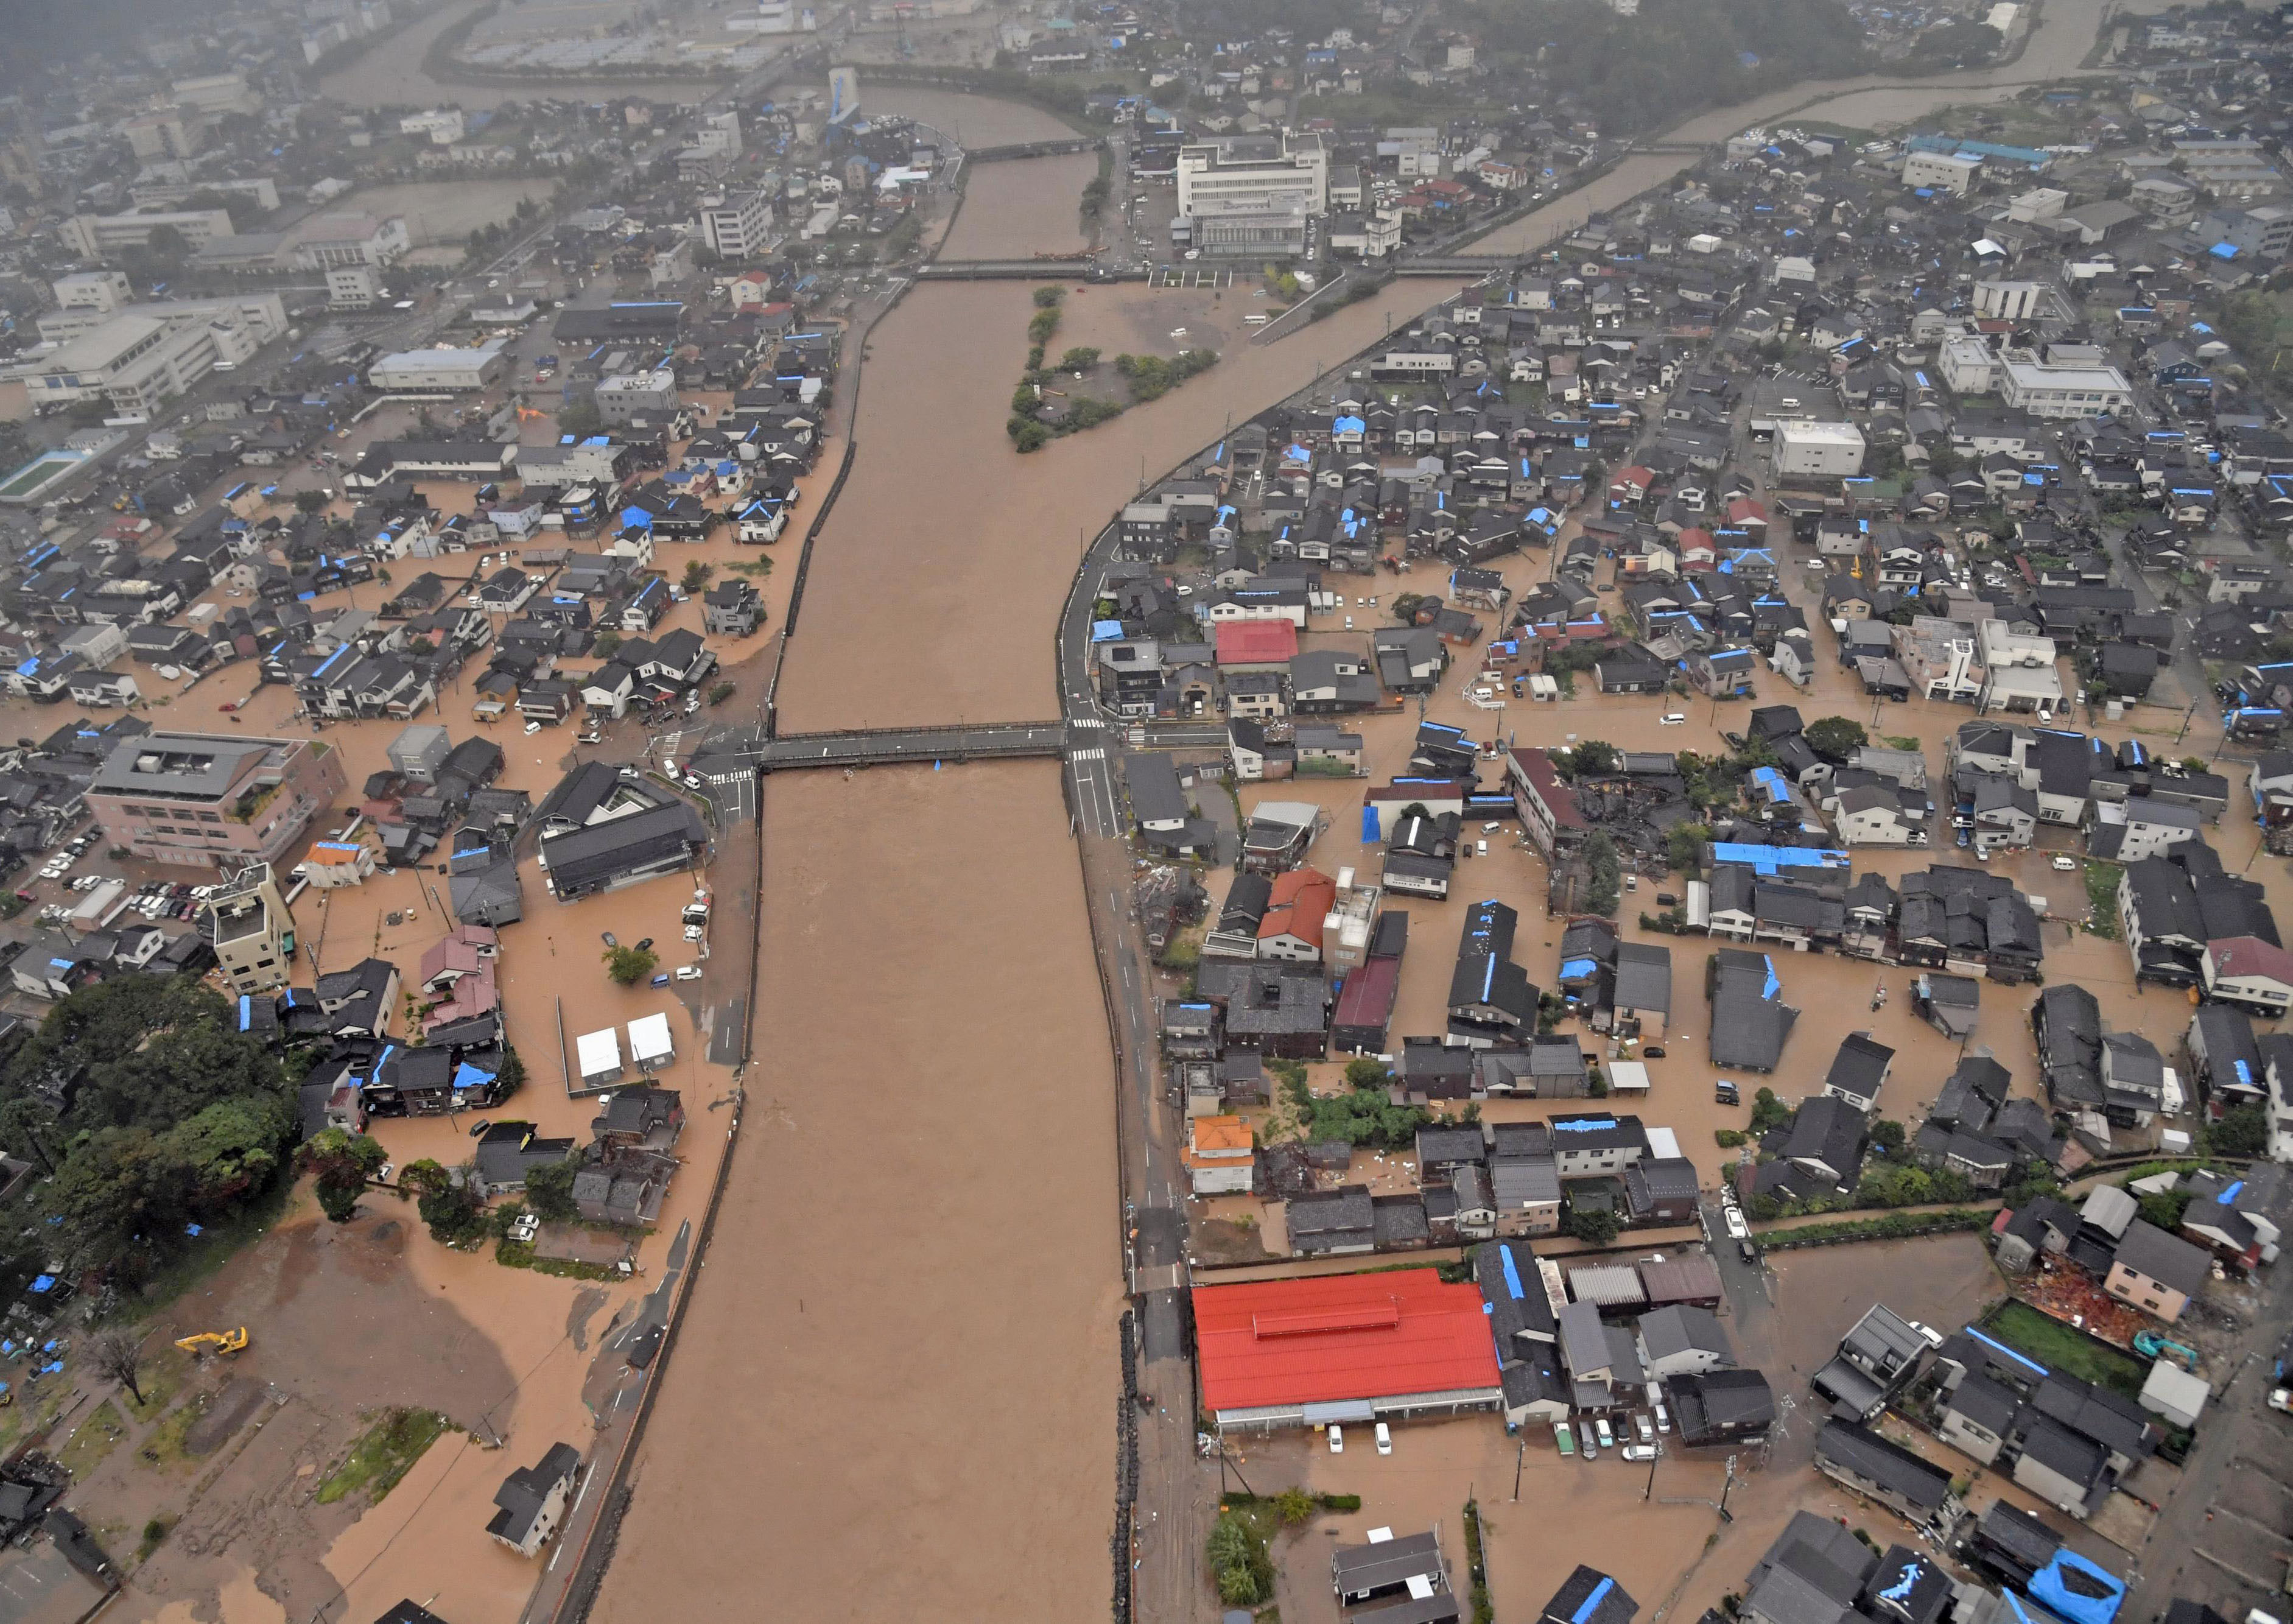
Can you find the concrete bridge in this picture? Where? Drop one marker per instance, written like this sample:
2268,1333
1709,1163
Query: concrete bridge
887,746
1454,264
1031,149
1690,148
1063,268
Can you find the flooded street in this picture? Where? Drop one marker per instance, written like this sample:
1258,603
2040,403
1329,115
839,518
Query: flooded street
1013,210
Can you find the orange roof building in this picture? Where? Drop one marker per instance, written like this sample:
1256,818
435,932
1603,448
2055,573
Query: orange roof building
1346,1347
1296,908
1220,1153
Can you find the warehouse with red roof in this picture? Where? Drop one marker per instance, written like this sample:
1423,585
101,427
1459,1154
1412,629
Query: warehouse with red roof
1343,1348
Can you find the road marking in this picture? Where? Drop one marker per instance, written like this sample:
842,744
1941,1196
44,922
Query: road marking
1086,755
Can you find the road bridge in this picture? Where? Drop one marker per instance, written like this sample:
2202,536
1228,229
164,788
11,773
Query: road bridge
1455,265
888,746
1023,270
1031,149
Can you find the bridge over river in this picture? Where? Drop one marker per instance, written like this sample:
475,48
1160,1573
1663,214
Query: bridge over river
727,759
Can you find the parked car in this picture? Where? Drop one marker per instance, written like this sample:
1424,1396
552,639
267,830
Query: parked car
1337,1439
2063,861
688,972
1607,1438
1384,1439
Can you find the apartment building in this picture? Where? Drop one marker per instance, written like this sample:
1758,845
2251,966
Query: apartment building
254,930
198,799
737,225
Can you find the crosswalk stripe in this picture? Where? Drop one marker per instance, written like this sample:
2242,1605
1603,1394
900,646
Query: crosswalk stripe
1088,755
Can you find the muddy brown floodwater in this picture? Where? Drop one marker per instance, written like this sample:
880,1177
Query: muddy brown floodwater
898,1373
1030,206
892,1392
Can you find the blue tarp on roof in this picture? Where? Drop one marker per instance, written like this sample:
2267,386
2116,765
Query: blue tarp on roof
1511,1273
1993,1343
1105,631
1578,967
2073,1589
1369,825
1767,859
1591,1604
1582,1125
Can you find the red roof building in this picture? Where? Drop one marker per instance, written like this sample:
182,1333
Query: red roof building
1343,1347
1247,643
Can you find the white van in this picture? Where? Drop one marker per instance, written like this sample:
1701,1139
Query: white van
1674,719
1260,319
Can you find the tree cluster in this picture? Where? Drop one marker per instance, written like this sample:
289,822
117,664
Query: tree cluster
176,1118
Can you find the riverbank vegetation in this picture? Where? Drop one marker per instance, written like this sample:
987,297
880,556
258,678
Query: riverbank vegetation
1040,413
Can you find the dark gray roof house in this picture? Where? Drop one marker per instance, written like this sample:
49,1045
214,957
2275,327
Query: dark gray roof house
623,850
532,1497
1888,1472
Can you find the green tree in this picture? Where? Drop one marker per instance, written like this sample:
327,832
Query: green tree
424,1177
310,501
1834,738
1049,298
453,1214
696,576
2243,1131
1367,1071
720,692
510,1078
1081,358
1604,874
1593,758
1684,846
580,417
1887,1136
549,1190
1594,1226
1768,1111
1294,1506
343,1162
630,966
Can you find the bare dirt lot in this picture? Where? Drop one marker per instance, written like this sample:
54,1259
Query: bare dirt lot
444,212
915,1276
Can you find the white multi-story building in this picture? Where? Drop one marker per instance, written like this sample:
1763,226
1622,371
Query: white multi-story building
135,362
1833,450
218,93
1255,174
444,126
720,133
351,240
263,314
1967,365
1952,172
167,194
2008,301
737,225
2061,386
101,235
102,291
351,286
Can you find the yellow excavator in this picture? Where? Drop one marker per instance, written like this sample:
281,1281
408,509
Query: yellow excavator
213,1341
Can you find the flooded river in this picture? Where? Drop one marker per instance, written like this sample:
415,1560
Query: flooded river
895,1393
